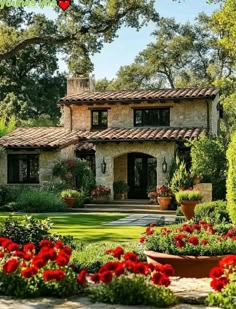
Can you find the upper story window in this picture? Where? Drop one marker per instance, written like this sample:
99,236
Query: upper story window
99,119
155,117
23,168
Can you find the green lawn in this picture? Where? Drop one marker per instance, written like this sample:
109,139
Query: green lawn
89,227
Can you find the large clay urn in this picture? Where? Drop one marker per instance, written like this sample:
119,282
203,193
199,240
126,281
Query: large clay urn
187,208
164,202
69,201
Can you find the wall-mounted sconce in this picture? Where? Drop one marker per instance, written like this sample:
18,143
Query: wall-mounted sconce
164,166
103,166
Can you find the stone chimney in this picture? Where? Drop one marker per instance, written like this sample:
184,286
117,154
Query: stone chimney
79,83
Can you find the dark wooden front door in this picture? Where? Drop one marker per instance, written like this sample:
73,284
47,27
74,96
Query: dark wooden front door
141,174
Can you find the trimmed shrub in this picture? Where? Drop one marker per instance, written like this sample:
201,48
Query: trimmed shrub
39,201
216,212
231,179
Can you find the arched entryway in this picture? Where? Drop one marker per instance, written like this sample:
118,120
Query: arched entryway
142,174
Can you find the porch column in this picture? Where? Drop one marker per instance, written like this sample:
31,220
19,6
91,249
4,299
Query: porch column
107,178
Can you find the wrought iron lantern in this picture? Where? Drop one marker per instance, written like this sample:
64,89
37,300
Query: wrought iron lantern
103,166
164,166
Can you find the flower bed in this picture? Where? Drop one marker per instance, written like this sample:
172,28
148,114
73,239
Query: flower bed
25,273
129,281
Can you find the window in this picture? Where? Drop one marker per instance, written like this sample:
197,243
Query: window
152,117
23,168
99,119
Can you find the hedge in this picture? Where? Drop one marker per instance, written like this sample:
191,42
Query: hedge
231,178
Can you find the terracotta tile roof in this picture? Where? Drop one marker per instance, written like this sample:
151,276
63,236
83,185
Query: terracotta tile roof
140,95
85,146
40,137
58,137
143,134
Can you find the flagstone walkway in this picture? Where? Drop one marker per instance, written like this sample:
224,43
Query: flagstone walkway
146,219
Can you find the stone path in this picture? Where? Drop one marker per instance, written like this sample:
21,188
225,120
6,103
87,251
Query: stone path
146,219
191,293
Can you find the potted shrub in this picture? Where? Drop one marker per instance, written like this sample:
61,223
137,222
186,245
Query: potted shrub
120,188
192,249
101,193
188,199
164,196
69,196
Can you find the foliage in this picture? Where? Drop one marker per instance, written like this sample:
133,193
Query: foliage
215,212
223,281
195,239
39,201
72,170
7,125
27,273
180,177
91,257
81,199
26,229
100,191
164,191
130,282
188,195
69,193
120,186
209,161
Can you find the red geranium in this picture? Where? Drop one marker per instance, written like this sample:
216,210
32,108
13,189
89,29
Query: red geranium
106,276
219,284
62,259
29,272
141,268
38,262
81,278
142,239
119,270
216,272
10,266
95,278
30,247
167,269
131,257
193,240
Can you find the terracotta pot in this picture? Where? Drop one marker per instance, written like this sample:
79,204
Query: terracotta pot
69,201
185,266
164,202
187,208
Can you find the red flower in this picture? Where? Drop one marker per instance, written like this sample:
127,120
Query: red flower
187,228
13,247
106,276
10,266
129,265
228,260
167,269
46,243
59,244
67,250
141,268
29,272
216,272
2,254
142,239
38,262
151,266
193,240
153,224
6,242
81,278
196,227
95,278
204,242
112,266
48,275
59,274
156,277
118,252
119,270
179,244
164,280
62,260
131,257
219,284
52,254
27,257
29,247
149,231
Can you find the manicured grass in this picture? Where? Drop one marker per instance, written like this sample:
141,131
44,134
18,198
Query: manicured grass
89,227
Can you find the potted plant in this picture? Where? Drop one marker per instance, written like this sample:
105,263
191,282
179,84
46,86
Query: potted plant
164,196
192,249
120,188
188,199
69,196
101,193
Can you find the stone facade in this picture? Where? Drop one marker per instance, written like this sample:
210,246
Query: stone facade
206,191
184,114
46,161
113,154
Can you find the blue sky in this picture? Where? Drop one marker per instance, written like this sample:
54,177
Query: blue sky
130,42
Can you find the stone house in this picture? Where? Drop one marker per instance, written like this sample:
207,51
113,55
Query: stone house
125,135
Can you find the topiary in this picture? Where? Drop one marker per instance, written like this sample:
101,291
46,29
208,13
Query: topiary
231,179
216,212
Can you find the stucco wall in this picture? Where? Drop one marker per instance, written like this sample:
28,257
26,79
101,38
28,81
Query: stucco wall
121,168
109,152
46,161
184,114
